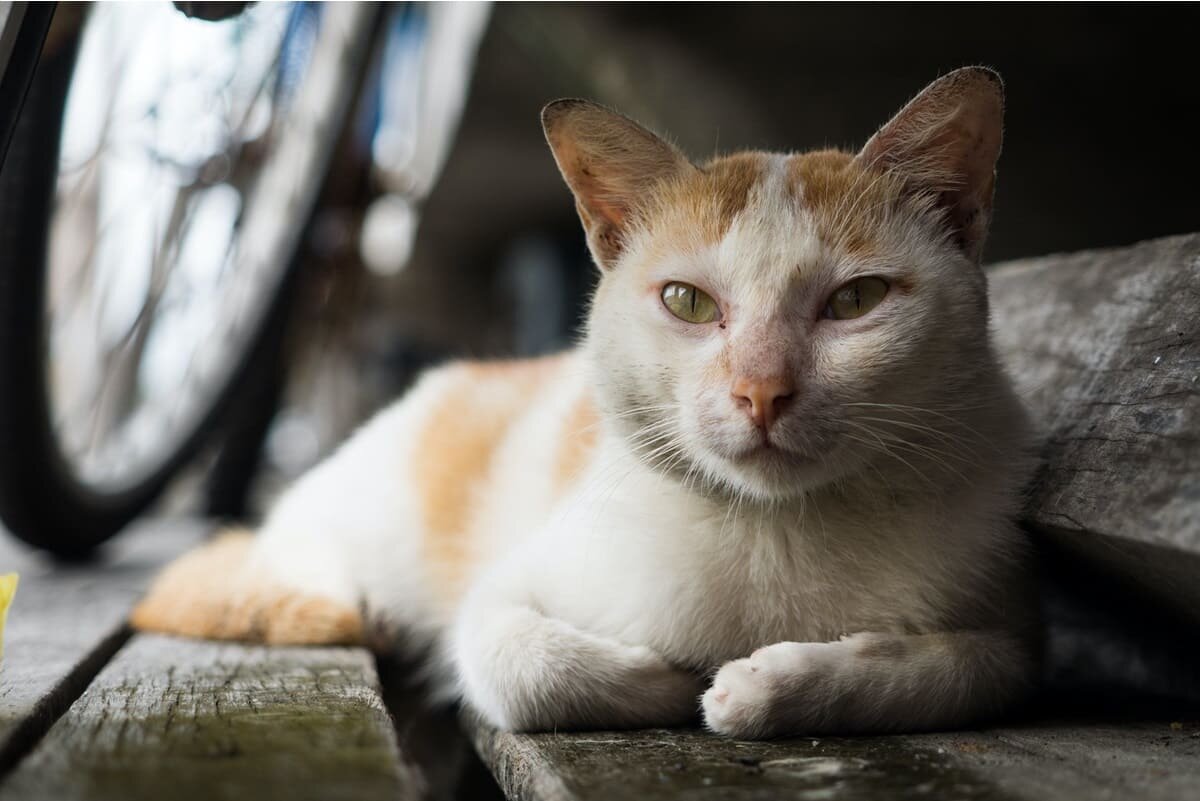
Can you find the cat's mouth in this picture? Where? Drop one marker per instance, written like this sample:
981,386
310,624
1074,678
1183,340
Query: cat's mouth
771,469
765,449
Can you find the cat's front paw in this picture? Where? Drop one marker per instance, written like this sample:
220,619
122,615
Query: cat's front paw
771,692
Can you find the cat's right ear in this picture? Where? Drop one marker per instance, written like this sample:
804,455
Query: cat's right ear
610,164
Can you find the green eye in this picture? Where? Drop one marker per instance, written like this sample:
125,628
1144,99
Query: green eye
856,298
690,304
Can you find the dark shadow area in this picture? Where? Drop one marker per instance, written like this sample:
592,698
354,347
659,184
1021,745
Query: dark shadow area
1110,653
432,743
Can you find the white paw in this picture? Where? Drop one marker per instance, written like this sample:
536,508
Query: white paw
764,695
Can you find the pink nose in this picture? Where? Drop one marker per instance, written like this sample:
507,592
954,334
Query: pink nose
763,398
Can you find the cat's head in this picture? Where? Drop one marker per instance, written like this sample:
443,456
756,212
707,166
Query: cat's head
774,322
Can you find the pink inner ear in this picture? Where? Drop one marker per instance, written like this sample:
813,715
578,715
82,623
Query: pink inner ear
947,137
599,202
946,141
611,212
949,153
610,163
589,189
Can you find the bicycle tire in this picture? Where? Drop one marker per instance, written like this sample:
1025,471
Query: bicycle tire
16,73
42,499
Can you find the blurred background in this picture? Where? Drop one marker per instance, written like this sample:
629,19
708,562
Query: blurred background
1103,110
424,217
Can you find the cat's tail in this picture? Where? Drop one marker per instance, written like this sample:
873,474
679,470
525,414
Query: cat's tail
218,591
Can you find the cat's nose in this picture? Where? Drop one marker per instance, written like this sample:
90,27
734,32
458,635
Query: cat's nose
763,398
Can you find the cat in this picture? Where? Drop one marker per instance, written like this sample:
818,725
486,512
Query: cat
773,488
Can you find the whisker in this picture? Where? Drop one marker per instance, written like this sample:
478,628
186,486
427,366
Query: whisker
891,454
943,437
939,412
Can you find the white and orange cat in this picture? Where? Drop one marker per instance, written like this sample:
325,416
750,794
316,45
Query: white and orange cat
775,485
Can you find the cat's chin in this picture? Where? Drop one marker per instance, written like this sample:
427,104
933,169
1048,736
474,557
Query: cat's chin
773,473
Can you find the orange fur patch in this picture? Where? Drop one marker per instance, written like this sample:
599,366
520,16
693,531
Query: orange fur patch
454,453
845,197
731,180
848,201
580,432
703,203
211,593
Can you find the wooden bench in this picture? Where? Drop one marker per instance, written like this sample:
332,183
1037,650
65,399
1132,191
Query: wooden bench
1038,762
148,717
1106,348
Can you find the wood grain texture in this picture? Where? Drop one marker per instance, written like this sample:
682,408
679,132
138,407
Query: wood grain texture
181,719
1105,348
1061,762
67,621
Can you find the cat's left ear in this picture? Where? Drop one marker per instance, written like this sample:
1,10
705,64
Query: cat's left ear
611,164
945,142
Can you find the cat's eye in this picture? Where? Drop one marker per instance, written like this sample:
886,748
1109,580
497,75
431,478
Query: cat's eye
690,304
856,298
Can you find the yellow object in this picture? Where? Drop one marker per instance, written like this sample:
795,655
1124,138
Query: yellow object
8,588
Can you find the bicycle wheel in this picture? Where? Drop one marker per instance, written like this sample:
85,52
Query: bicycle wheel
152,204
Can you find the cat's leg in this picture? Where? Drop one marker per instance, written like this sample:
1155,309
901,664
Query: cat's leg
870,682
232,589
527,671
336,559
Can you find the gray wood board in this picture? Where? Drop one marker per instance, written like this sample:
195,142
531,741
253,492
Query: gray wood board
66,622
188,719
1105,348
1064,763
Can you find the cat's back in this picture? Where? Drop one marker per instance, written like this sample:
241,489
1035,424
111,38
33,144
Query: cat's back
496,446
447,477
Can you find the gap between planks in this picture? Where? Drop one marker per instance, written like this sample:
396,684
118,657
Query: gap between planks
67,622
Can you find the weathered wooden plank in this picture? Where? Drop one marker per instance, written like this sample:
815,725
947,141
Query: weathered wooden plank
67,621
1055,762
185,719
1105,347
1148,761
